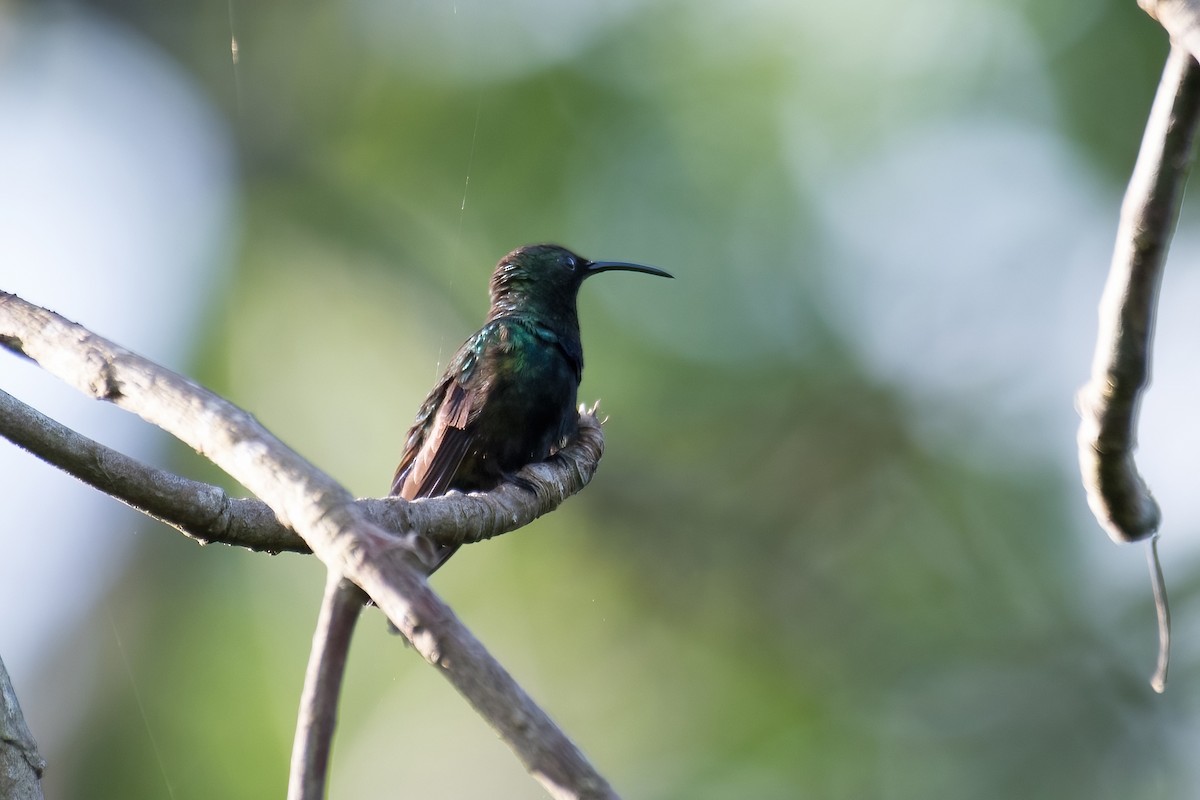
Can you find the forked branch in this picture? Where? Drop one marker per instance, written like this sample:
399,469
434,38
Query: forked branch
325,516
207,514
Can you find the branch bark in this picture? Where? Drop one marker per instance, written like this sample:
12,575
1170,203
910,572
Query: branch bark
1181,18
20,764
322,685
322,512
1109,403
208,514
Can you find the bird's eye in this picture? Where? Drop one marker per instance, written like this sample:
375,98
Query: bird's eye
570,262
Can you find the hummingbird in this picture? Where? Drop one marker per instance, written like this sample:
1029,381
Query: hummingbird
508,396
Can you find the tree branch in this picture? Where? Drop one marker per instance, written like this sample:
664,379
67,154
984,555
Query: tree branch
324,514
207,514
202,511
1109,402
322,684
20,765
1181,18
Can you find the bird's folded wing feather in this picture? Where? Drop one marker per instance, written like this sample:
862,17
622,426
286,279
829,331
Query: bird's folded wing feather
429,462
439,440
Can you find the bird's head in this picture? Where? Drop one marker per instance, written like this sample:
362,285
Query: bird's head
544,279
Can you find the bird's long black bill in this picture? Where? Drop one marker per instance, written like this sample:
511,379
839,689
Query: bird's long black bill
605,266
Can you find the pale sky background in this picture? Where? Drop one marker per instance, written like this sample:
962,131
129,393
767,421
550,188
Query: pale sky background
117,210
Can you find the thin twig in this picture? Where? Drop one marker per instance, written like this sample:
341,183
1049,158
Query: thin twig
1158,585
322,512
322,684
1109,402
207,514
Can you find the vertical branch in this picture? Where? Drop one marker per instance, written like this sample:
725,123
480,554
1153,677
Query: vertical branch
322,684
20,765
1120,369
1109,402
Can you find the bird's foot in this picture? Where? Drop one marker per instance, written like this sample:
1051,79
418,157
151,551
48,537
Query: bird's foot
521,483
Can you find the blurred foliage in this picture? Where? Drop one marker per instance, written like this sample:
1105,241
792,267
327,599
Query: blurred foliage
777,586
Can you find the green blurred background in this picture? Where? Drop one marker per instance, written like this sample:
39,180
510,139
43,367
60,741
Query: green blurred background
836,548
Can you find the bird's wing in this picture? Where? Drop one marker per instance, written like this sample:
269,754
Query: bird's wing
433,465
439,440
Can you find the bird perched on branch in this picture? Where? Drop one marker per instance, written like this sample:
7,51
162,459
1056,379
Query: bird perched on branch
508,397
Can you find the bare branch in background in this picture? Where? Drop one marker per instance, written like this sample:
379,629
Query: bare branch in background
20,765
1108,403
1181,18
322,512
